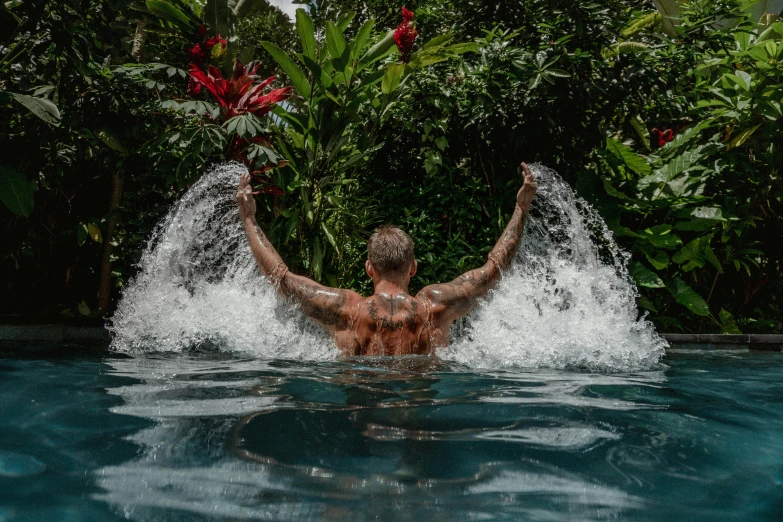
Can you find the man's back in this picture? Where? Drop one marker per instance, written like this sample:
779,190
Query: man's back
384,324
391,321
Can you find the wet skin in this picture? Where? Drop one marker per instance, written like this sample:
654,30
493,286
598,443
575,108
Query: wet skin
391,321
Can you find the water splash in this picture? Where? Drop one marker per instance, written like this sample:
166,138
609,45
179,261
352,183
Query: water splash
199,288
568,302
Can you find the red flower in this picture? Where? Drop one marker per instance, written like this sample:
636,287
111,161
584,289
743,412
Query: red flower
405,34
198,53
201,52
194,88
239,95
212,42
664,136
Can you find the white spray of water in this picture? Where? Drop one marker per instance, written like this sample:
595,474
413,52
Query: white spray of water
199,288
567,302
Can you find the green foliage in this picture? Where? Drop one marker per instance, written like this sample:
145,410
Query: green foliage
589,89
346,87
715,190
16,192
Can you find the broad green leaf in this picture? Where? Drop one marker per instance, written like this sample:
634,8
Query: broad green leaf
384,47
15,191
319,75
658,259
392,78
644,276
296,119
218,51
671,170
83,308
293,71
614,192
168,12
306,30
110,140
330,235
696,253
462,48
703,218
420,59
741,79
727,323
687,296
357,46
41,107
742,38
625,154
771,48
681,140
436,42
335,41
344,20
742,137
660,236
95,233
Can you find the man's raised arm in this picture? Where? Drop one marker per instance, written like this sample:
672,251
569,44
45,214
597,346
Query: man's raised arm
327,306
457,298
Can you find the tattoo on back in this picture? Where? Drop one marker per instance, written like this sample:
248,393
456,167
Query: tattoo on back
393,305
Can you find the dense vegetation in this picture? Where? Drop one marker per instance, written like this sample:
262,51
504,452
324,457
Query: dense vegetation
670,127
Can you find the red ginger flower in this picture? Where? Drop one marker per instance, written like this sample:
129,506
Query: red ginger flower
664,136
405,34
239,95
200,52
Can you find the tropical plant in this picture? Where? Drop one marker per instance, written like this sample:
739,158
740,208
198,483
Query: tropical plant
345,89
694,221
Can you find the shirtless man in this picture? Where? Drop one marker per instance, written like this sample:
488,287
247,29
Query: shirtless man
391,321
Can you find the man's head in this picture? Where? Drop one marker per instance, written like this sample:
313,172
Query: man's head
390,254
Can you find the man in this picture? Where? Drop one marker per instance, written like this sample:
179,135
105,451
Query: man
391,321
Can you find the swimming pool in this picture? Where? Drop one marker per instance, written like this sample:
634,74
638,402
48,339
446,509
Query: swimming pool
212,437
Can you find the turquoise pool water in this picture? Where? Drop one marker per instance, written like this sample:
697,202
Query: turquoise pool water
204,437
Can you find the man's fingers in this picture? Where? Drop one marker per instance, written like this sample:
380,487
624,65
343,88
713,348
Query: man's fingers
526,172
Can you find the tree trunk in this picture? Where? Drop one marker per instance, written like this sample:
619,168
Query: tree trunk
104,288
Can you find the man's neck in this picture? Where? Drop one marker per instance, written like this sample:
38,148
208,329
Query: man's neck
391,287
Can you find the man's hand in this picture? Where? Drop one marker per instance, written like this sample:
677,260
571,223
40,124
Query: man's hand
245,199
528,190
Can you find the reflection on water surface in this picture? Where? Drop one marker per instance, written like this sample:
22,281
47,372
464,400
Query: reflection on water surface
184,438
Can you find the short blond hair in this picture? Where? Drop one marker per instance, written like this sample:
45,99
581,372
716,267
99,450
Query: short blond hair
390,250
